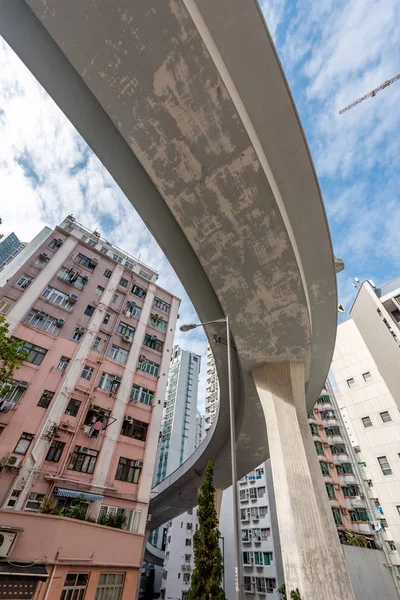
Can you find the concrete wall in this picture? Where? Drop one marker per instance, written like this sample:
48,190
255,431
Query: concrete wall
370,578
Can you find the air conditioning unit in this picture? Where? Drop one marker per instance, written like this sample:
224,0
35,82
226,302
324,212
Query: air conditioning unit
129,419
142,358
41,314
84,450
331,465
117,379
326,445
60,321
338,487
94,261
12,461
23,384
74,297
60,241
7,539
82,329
138,463
95,408
320,426
44,256
127,338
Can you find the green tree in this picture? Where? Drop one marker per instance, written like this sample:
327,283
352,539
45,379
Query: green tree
11,355
208,571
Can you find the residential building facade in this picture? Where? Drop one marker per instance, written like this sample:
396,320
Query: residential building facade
10,246
212,390
80,421
365,370
338,466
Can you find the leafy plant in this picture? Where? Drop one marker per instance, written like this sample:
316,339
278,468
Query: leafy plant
350,538
294,594
11,355
208,571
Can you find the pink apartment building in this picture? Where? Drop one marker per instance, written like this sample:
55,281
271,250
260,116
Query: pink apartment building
80,421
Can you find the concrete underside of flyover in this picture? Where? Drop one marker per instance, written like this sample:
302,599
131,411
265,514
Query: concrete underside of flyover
187,106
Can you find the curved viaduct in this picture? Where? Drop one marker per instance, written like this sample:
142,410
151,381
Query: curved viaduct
186,104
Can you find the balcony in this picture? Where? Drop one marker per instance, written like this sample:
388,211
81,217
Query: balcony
316,438
349,478
327,478
56,538
357,502
334,502
342,458
332,421
364,528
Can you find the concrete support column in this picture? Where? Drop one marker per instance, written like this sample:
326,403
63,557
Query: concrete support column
312,558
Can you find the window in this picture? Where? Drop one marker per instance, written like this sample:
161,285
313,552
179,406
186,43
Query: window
350,491
86,262
5,305
55,451
128,470
151,341
347,468
384,465
75,585
129,265
360,514
110,586
158,303
263,511
117,258
104,250
106,318
265,534
324,468
98,344
83,460
189,526
11,392
131,517
73,278
41,261
87,372
13,498
34,354
24,281
134,429
89,310
366,421
186,577
34,502
55,244
314,429
337,516
118,354
73,407
330,490
391,545
335,430
145,275
41,320
142,395
92,243
131,310
125,329
350,382
107,273
319,447
23,443
107,382
243,495
150,367
45,399
78,333
385,416
115,298
123,282
260,585
97,413
161,324
53,295
63,363
339,449
367,376
188,542
139,292
247,558
99,290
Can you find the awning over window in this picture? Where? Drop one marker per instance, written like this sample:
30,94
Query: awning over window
38,572
63,493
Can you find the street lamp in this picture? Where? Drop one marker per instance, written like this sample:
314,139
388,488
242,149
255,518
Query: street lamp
189,327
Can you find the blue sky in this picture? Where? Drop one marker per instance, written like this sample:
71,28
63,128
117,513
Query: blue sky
333,51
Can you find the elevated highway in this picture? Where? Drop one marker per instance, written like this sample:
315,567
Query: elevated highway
186,104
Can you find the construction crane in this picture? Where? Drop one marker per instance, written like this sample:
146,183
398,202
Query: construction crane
370,94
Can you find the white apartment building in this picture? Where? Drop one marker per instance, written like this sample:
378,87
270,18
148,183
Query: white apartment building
212,390
366,370
260,551
178,429
179,556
